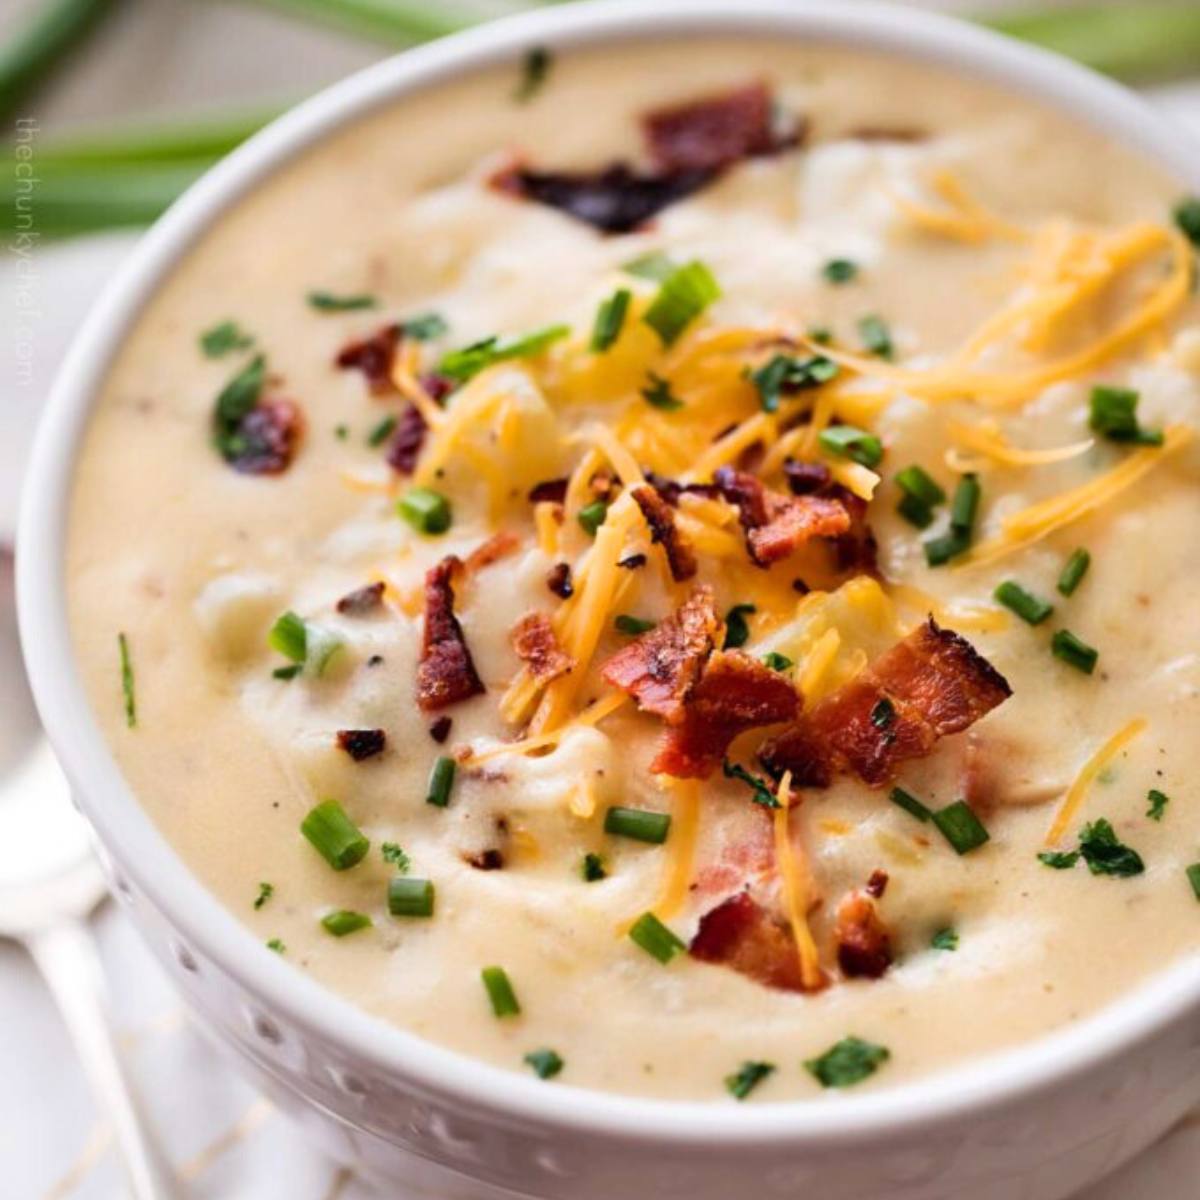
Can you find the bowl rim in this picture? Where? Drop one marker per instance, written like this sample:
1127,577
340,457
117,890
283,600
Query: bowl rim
144,856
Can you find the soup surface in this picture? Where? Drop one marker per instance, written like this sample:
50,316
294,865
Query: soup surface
720,521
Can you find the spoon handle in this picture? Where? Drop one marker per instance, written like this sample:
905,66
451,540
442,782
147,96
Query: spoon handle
66,956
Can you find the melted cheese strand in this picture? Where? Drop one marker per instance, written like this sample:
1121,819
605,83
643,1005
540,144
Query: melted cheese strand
795,890
964,219
406,382
759,428
986,439
1087,776
681,847
592,715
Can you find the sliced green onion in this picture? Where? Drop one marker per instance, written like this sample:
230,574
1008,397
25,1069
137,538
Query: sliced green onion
441,780
277,945
1074,571
289,636
959,825
534,68
545,1063
1187,216
127,681
341,432
592,868
425,510
1030,608
288,672
915,512
424,327
965,505
265,892
641,824
1114,414
682,297
849,1062
940,550
916,482
323,644
839,270
1158,804
329,302
655,938
223,339
761,791
1074,652
632,626
910,804
783,374
381,432
777,661
944,939
746,1078
408,897
610,317
657,393
876,336
656,266
591,516
1193,874
500,992
851,442
737,631
464,364
334,836
343,921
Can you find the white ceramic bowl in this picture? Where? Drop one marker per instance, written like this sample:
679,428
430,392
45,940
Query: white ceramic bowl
1034,1124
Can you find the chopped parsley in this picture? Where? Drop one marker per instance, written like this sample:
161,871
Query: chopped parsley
265,892
277,945
288,672
849,1062
341,432
876,336
1193,875
784,375
394,855
234,402
1187,217
610,318
883,713
840,270
592,868
1114,415
424,327
1059,860
466,363
535,66
657,393
127,683
848,441
682,297
381,432
760,789
910,804
959,825
1158,804
944,939
737,632
1106,854
545,1063
777,661
224,339
746,1078
330,302
632,626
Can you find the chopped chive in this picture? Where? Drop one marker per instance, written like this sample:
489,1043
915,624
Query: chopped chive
322,646
849,1062
876,336
883,713
681,298
1158,804
343,921
288,672
464,364
592,868
847,441
382,431
632,626
1030,608
821,334
1106,854
746,1078
839,270
940,550
334,836
534,68
441,780
944,939
1114,415
265,892
1059,860
424,327
408,897
910,804
500,992
915,512
737,632
235,400
916,482
329,302
394,854
777,661
591,516
656,266
657,393
277,945
959,825
641,824
127,682
425,510
1193,874
289,636
785,375
761,791
965,505
1078,654
1187,217
223,339
655,938
341,432
610,317
1074,571
545,1063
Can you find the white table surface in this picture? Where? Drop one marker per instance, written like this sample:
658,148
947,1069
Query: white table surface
228,1143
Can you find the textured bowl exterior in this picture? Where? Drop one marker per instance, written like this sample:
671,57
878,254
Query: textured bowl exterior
1033,1124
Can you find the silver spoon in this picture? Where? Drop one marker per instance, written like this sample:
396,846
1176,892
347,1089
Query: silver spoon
50,882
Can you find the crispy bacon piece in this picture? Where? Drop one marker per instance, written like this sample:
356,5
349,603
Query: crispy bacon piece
267,438
930,684
537,646
363,600
440,729
405,446
552,490
446,673
776,525
558,580
877,884
735,693
361,743
741,934
373,356
660,668
485,860
864,945
664,532
499,545
806,478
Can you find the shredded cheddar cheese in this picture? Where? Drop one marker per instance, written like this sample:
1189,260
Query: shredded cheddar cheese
680,847
795,890
1087,776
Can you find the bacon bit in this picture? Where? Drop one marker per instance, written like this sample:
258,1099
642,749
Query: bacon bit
558,580
735,693
361,743
806,478
855,550
440,729
551,490
776,525
664,532
864,944
362,601
373,356
446,673
660,668
631,562
877,884
537,646
437,387
405,447
741,934
883,133
267,438
715,132
485,860
499,545
936,684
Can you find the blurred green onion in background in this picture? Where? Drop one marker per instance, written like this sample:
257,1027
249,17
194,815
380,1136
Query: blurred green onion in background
115,177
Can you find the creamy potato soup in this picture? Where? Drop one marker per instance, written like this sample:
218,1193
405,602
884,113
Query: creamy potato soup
673,568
